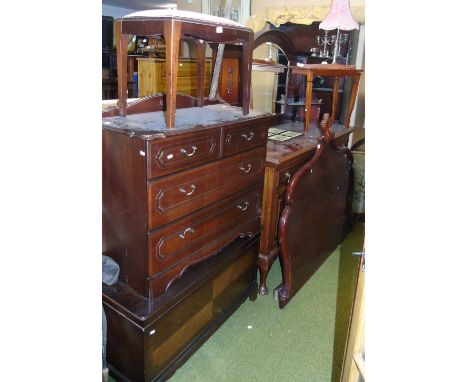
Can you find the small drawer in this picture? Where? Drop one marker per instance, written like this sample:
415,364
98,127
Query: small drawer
177,153
177,195
198,235
241,138
285,175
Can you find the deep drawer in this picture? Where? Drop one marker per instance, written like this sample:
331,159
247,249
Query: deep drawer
180,194
175,247
159,284
241,138
208,228
168,155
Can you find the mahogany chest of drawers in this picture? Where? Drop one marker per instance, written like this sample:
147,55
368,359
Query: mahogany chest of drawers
171,202
181,217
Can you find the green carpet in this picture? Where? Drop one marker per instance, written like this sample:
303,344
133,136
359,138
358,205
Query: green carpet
303,342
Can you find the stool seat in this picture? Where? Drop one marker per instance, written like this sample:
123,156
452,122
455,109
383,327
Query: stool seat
185,16
175,25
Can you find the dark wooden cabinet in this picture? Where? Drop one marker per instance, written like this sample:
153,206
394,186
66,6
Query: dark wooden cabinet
181,216
149,183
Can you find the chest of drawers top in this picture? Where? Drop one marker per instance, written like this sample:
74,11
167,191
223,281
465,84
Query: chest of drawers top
168,151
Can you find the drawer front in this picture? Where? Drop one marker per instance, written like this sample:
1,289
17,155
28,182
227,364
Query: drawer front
159,284
172,154
202,233
241,138
285,175
188,84
189,69
174,196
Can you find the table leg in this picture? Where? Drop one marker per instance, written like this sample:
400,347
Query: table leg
172,31
334,100
308,101
264,265
268,250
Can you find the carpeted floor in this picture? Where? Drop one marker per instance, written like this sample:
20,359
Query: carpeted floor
303,342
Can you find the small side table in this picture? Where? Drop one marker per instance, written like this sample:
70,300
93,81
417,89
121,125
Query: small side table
328,70
175,25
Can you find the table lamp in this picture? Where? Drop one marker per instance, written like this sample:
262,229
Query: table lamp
339,17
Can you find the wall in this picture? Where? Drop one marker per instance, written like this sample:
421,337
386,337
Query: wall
115,12
260,5
190,5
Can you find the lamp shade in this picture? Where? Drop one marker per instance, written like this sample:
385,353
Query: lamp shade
339,17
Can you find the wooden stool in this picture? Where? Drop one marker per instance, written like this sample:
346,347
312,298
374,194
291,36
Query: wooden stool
174,25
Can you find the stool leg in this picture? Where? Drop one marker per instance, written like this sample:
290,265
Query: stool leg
122,42
172,31
308,100
247,49
201,49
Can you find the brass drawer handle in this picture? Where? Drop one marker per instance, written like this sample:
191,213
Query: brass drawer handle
248,234
188,193
248,137
183,151
246,169
186,231
246,205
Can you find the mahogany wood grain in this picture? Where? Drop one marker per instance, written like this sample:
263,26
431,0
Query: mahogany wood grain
142,181
124,215
282,162
315,216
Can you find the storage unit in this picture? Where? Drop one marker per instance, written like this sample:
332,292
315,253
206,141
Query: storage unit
181,216
152,76
181,200
169,203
